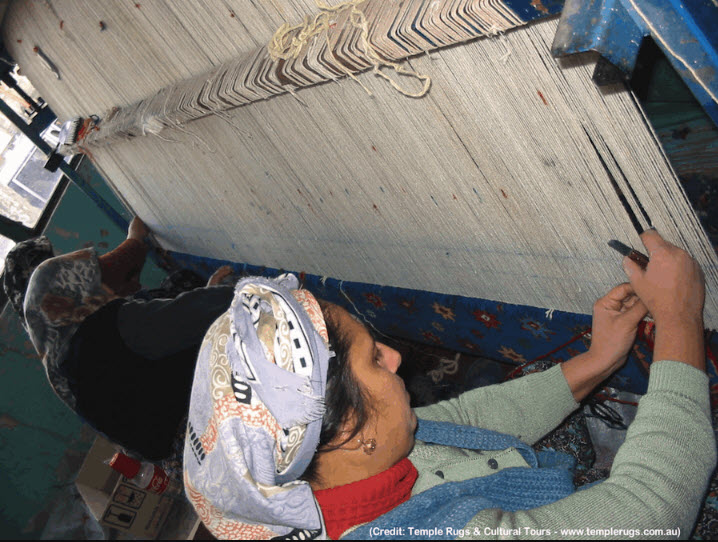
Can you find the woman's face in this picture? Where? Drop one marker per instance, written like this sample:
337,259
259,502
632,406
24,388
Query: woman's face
392,422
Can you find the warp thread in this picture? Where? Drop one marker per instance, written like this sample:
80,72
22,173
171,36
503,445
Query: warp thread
483,125
259,73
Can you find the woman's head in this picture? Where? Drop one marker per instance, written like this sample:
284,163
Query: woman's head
365,401
20,263
256,410
267,395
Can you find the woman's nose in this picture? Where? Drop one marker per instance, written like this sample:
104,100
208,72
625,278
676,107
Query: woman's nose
390,357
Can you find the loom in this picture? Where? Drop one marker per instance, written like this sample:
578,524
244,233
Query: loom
491,166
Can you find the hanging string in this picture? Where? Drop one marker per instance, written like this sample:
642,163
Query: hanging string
288,42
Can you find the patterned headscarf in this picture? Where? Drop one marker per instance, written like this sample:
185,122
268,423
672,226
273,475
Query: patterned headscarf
256,414
61,293
20,262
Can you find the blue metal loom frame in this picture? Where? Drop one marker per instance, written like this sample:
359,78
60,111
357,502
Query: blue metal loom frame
686,31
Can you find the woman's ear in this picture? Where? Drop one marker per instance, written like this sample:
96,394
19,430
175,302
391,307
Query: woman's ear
347,433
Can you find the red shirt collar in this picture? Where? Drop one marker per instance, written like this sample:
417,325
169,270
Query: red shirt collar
360,502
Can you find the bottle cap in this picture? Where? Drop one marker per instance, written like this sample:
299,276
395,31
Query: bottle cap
125,465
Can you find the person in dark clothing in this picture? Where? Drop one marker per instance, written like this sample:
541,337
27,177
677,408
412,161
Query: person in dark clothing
123,364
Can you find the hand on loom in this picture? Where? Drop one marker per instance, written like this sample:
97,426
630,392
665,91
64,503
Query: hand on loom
673,288
137,229
219,275
615,322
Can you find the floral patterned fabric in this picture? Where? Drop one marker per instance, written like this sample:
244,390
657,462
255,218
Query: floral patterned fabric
62,292
20,263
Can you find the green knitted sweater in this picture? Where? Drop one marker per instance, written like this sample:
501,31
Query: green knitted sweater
657,481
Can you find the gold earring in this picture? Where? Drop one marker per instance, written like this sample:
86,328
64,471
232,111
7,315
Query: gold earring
368,445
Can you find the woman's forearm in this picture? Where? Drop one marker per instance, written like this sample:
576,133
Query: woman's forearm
583,373
121,267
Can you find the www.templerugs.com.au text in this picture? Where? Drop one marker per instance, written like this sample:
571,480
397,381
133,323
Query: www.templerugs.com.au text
449,532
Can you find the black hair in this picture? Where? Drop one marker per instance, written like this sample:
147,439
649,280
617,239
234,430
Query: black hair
346,400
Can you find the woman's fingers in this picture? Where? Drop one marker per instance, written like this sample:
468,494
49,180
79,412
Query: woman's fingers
652,240
617,297
219,275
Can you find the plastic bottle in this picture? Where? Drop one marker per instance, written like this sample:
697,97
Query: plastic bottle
143,474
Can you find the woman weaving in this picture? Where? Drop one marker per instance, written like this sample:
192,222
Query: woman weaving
123,364
300,428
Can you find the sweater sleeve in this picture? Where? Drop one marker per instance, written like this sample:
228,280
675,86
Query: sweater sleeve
527,408
657,481
162,327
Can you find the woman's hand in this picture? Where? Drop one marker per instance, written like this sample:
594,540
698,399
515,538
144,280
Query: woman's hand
219,275
137,229
673,288
672,285
615,321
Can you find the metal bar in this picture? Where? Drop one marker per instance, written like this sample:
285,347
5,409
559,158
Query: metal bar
19,232
12,229
10,81
33,136
29,190
685,31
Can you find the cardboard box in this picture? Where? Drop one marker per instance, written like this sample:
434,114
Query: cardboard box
116,502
